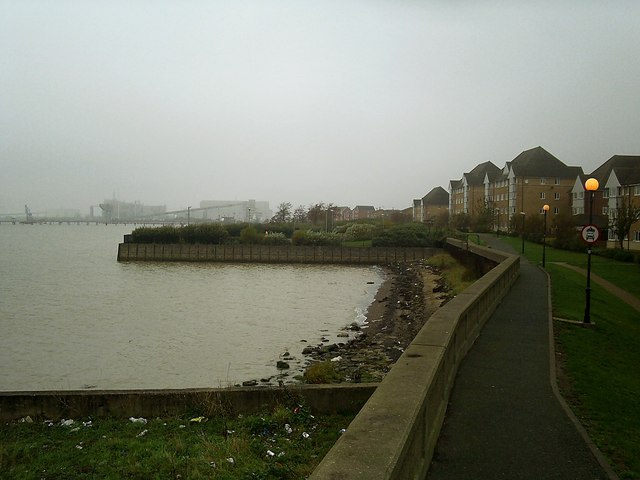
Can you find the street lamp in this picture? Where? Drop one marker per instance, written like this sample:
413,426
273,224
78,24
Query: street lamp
591,185
522,213
544,235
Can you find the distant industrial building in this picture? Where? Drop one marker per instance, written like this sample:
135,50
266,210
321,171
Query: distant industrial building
235,211
113,209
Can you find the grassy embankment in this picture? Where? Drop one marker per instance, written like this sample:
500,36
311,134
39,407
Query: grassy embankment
456,276
287,443
601,364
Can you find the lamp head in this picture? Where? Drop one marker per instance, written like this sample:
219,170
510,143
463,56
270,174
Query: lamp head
545,208
592,184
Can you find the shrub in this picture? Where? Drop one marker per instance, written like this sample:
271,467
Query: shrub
276,238
206,233
309,237
360,231
285,228
249,235
408,235
322,372
165,234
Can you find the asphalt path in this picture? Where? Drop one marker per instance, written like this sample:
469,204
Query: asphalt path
504,420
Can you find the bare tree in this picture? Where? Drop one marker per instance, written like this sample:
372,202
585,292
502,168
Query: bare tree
623,218
283,214
316,213
300,214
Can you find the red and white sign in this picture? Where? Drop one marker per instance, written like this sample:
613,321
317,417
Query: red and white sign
590,233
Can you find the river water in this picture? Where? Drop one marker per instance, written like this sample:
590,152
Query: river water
72,317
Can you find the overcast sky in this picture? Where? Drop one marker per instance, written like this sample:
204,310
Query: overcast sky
351,102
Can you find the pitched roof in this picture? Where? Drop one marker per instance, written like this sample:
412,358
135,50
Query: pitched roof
437,196
627,168
455,183
476,176
537,162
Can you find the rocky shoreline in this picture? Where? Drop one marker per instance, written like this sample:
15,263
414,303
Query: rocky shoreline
409,295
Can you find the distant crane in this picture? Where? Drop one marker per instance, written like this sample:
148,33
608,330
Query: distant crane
28,214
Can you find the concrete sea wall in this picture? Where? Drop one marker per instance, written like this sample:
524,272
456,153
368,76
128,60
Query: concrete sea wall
268,253
347,398
395,433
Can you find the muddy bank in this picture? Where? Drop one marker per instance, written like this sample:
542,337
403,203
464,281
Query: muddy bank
409,295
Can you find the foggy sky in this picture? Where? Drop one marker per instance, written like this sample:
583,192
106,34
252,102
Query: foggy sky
351,102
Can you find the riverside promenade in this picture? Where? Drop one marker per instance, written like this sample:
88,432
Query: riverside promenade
505,419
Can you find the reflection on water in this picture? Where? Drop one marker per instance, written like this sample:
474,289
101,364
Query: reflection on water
72,317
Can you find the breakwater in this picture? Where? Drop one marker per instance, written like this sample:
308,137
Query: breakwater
269,253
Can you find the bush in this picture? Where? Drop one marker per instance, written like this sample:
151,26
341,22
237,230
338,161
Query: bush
276,238
249,235
166,234
206,233
360,231
309,237
623,255
285,228
408,235
322,372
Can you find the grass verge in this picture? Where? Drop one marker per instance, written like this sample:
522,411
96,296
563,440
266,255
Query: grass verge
456,276
287,443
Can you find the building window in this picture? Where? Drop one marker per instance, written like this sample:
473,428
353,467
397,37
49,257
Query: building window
580,195
556,196
636,236
556,181
542,195
543,181
556,210
605,210
605,193
636,190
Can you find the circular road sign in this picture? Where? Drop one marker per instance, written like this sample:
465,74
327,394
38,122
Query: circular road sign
590,233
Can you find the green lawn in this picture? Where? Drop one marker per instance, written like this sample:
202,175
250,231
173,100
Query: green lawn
622,274
286,443
602,364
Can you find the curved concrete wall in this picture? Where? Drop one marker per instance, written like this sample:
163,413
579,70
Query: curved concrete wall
395,433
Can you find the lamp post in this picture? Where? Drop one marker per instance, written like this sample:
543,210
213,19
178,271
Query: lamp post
591,185
522,213
544,235
188,215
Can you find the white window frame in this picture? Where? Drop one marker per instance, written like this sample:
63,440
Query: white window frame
543,196
556,196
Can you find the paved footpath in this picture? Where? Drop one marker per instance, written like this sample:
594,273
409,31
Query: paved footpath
504,420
